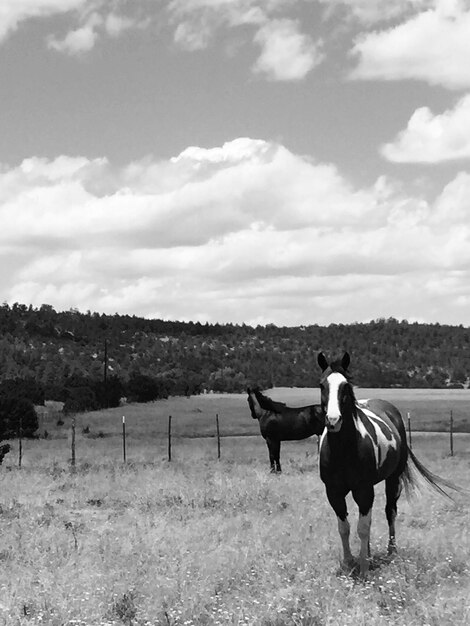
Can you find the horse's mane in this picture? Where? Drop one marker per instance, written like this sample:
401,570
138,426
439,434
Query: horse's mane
266,403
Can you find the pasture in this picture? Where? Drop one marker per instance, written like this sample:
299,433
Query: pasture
204,542
195,416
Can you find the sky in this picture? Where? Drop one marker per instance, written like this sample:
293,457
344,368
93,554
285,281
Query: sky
248,161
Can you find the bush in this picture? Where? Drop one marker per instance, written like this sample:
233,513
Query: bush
86,394
142,388
16,411
109,395
80,399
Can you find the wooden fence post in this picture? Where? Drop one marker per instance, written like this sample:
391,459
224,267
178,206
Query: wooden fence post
124,438
169,437
73,442
409,429
218,435
451,428
20,442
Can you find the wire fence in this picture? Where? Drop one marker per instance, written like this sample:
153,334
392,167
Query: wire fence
217,434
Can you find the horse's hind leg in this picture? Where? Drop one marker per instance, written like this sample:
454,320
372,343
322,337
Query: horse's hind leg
275,448
392,492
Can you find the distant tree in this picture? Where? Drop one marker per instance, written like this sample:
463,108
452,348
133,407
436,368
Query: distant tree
23,388
16,412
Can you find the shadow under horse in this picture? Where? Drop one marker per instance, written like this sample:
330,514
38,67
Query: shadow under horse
364,443
279,422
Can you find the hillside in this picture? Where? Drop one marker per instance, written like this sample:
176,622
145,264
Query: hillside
189,357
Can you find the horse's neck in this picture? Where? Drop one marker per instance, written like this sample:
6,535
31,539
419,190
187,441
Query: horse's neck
345,441
259,412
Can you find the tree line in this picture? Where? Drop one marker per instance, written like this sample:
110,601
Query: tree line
90,360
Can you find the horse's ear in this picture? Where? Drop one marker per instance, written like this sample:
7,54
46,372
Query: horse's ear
322,362
345,361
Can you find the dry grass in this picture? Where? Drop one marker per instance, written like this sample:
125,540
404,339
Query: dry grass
204,542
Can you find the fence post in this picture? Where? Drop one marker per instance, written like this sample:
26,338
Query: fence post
73,442
20,442
218,435
451,433
409,429
169,437
124,438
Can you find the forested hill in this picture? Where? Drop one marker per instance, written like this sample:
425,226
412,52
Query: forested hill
53,347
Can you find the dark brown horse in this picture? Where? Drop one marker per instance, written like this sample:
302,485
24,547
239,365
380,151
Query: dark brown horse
363,444
279,422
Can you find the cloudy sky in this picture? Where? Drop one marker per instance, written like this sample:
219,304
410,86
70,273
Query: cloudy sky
258,161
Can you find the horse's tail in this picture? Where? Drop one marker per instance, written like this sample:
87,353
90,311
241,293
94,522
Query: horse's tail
436,482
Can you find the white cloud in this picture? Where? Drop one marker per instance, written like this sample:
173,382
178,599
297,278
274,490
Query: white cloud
81,40
13,12
286,53
372,11
453,207
432,138
432,46
91,18
192,37
247,231
116,24
198,21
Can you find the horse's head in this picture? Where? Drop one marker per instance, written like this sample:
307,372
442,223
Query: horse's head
336,390
252,403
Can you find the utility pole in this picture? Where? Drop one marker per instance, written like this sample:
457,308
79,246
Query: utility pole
105,373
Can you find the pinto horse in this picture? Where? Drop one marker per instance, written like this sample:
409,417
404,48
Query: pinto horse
279,422
364,443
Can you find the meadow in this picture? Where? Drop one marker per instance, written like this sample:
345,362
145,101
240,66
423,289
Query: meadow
429,410
205,542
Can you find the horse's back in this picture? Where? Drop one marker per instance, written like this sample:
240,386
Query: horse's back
386,409
291,424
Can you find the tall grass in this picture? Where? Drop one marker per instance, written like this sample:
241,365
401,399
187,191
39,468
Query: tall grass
201,542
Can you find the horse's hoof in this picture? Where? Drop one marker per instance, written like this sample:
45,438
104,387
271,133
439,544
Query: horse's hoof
392,549
349,566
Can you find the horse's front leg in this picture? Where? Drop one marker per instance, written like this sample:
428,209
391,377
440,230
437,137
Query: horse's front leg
271,455
364,498
337,500
274,447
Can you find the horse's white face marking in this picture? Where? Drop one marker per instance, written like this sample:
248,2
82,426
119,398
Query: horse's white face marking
333,411
381,445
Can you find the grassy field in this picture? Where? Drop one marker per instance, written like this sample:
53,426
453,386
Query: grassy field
201,542
204,542
195,416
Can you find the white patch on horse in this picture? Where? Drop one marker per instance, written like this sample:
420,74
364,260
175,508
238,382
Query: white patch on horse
383,444
333,412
